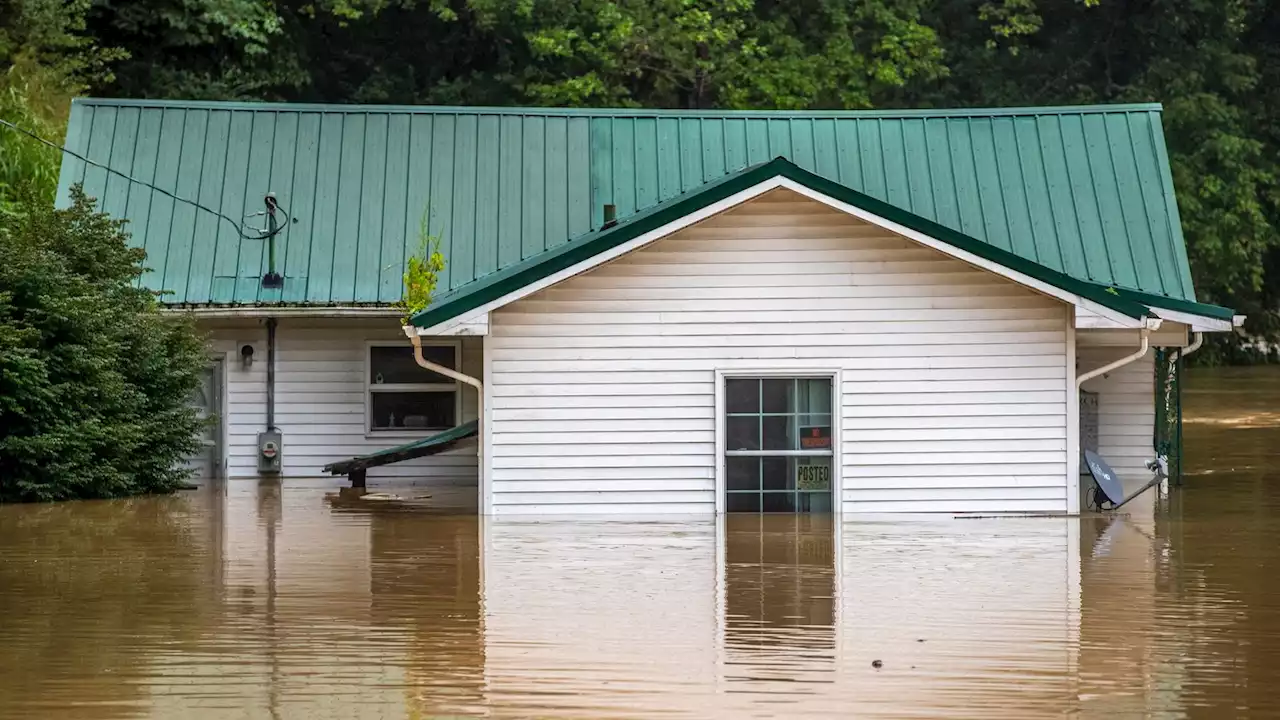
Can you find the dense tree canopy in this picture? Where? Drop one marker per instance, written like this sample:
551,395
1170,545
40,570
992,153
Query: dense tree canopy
94,380
1214,64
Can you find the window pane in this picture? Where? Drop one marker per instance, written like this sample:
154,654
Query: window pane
814,502
778,502
742,396
776,473
742,502
776,396
777,432
814,396
744,473
412,410
742,433
395,364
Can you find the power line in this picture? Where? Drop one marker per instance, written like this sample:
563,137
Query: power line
262,234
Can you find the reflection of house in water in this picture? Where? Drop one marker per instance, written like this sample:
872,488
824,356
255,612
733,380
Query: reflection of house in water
596,619
968,617
1124,564
425,583
779,602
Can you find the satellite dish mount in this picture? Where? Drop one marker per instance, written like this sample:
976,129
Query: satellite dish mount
1107,492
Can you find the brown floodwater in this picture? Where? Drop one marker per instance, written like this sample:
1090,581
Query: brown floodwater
250,601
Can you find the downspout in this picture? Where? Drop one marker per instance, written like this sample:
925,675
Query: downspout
1083,378
411,332
1142,350
271,373
1194,346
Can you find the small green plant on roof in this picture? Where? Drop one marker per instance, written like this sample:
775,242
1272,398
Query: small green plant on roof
421,272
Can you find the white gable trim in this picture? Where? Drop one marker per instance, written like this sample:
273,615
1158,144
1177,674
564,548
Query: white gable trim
604,257
1119,319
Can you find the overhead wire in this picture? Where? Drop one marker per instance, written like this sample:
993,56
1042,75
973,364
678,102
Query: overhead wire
262,234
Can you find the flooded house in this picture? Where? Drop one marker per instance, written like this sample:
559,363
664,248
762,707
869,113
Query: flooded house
664,312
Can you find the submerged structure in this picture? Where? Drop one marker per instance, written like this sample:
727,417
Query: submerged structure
670,312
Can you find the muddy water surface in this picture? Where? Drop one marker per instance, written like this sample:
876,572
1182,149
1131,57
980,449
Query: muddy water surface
253,602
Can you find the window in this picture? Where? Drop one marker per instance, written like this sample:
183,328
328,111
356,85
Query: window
778,444
404,396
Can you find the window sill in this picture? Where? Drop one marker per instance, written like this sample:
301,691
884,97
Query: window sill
404,433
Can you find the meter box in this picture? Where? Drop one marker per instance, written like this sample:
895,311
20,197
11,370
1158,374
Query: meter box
269,452
1088,426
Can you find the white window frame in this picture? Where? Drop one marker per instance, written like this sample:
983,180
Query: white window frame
832,374
370,387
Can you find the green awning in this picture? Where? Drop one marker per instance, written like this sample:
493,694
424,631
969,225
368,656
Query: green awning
418,448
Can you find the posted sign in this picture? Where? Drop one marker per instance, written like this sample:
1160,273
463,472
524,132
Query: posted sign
813,477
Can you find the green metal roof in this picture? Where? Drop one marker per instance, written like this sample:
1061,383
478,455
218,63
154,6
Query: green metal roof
523,274
1081,190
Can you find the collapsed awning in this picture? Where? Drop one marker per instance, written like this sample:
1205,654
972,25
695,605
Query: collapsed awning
418,448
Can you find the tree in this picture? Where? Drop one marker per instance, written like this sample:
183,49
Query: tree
94,380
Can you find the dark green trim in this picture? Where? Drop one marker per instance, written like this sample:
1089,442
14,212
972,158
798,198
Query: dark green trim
418,448
616,112
1216,312
496,285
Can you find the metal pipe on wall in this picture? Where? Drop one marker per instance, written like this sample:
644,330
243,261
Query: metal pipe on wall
271,373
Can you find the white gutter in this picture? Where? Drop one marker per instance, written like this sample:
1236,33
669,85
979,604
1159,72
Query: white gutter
1142,350
411,332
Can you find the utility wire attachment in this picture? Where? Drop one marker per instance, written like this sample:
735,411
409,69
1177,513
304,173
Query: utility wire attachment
263,233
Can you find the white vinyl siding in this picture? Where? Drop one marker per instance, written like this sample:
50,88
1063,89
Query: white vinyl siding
321,393
954,379
1126,409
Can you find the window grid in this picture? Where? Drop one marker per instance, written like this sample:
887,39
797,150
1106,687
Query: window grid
761,499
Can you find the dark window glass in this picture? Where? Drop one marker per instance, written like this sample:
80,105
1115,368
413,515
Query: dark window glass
814,502
744,473
395,364
742,502
777,432
776,396
776,473
742,396
742,433
778,502
413,410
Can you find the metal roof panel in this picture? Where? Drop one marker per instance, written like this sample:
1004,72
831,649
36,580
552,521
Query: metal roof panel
1082,190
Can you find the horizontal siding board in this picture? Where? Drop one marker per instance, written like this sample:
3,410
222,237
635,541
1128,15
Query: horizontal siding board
320,402
603,386
957,506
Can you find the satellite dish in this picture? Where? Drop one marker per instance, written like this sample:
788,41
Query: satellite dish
1108,481
1109,489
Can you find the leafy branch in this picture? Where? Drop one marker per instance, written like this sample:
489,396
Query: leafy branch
421,273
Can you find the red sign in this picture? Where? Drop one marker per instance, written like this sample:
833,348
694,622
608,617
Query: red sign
817,437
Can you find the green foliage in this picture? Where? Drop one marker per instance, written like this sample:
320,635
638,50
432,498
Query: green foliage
94,381
421,273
